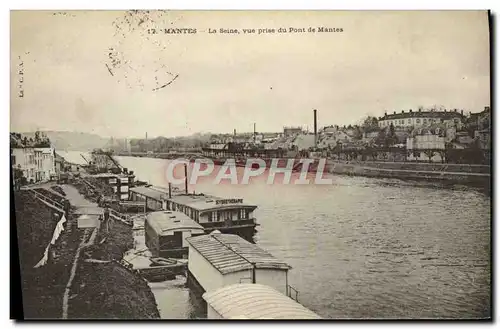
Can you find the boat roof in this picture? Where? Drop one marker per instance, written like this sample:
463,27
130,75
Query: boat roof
230,253
256,301
156,193
166,221
207,202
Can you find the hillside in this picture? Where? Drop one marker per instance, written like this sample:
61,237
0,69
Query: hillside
74,141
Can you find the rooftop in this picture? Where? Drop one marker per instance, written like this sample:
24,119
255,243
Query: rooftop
420,114
206,202
156,193
255,301
164,221
230,253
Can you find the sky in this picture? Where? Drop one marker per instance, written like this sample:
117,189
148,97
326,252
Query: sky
100,71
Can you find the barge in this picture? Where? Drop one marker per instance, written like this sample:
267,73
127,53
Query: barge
215,213
166,233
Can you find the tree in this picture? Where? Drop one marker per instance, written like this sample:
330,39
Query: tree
370,124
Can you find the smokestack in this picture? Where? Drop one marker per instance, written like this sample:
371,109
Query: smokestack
254,132
315,128
169,190
186,177
234,132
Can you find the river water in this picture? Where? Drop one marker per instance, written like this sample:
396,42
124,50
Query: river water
362,247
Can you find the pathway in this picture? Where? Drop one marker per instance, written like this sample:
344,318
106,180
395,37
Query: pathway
79,201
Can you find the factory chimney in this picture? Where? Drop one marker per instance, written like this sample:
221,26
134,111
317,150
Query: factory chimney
186,177
254,132
315,128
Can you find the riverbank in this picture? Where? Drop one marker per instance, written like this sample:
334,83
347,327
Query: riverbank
475,175
42,287
98,291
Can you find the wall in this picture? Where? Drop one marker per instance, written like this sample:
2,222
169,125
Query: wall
208,276
274,278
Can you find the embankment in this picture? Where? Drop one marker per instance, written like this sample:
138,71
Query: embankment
447,173
99,291
42,287
105,289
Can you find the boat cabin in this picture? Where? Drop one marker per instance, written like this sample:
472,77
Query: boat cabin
166,233
152,196
217,260
119,182
214,212
254,302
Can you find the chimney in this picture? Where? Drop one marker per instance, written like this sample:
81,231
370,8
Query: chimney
403,111
254,132
186,177
455,110
411,110
462,112
420,110
315,127
169,190
235,132
394,112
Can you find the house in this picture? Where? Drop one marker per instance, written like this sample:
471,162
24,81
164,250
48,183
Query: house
421,118
23,158
291,131
426,144
217,260
45,161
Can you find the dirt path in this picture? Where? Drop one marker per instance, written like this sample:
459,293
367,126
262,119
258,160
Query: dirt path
75,198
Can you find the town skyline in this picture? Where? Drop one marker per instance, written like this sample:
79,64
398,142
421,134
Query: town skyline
380,62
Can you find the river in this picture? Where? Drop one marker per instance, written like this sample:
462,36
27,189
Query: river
363,247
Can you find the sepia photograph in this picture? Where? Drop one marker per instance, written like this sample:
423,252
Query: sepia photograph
251,164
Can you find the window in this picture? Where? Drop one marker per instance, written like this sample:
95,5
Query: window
418,120
409,120
243,214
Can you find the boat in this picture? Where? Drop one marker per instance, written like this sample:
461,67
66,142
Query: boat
228,215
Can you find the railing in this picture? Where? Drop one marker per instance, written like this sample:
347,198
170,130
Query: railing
121,217
47,200
291,291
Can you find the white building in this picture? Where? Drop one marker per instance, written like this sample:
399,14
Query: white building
217,260
254,302
45,162
421,118
422,141
24,158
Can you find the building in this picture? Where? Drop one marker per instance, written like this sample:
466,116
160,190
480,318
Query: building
45,162
291,131
254,302
217,260
426,144
421,118
23,158
166,233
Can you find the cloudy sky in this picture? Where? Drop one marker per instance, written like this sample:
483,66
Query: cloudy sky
99,71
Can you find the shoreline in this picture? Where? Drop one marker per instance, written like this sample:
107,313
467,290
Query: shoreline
448,173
